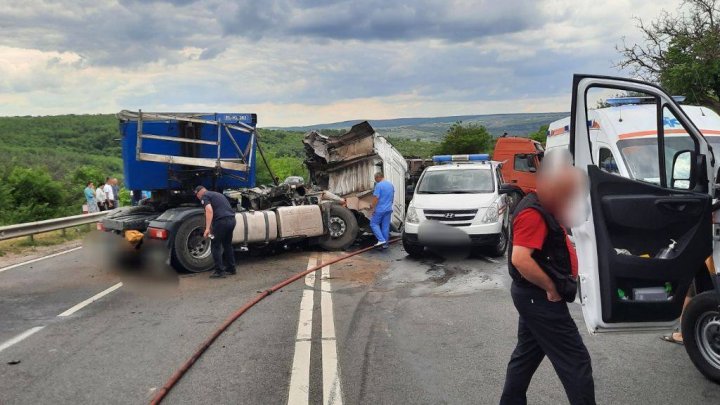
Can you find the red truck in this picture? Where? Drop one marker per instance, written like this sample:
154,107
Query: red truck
520,158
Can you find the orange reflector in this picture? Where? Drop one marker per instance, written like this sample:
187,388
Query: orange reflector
157,233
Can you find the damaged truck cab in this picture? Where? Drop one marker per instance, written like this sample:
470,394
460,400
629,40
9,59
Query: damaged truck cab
169,154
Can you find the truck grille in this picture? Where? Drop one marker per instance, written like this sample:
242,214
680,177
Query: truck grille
451,217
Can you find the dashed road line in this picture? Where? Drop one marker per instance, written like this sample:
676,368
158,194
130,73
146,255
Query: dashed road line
90,300
20,337
299,393
39,259
332,390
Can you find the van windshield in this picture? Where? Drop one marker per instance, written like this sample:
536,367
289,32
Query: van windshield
463,181
641,155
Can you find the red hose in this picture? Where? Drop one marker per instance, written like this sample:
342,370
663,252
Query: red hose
177,375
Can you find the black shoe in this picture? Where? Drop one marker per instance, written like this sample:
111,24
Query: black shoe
231,272
217,274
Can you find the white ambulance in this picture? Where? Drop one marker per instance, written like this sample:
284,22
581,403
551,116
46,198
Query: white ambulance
651,227
623,136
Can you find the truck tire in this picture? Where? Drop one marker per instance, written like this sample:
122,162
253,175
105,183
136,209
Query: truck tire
191,252
500,247
413,250
701,334
342,229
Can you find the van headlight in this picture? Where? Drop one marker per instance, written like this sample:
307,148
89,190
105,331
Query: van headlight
492,213
412,217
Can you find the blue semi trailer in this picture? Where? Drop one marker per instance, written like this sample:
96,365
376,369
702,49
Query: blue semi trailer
169,154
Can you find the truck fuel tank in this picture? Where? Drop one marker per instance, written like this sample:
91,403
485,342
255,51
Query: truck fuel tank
255,227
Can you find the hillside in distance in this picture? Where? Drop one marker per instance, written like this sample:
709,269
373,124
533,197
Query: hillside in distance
433,128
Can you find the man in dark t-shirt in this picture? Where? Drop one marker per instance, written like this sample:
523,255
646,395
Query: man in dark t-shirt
219,227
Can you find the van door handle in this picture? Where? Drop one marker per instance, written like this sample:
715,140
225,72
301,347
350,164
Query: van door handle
513,181
675,204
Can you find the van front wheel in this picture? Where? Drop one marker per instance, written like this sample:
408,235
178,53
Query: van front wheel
701,334
413,250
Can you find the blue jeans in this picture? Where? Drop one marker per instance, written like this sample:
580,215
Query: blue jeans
380,225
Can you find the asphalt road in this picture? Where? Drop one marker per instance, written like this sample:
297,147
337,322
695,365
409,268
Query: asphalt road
378,328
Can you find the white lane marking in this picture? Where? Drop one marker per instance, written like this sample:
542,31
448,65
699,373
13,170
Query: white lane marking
90,300
38,259
332,390
20,337
299,392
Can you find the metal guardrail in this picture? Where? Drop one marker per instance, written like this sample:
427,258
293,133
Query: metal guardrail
31,228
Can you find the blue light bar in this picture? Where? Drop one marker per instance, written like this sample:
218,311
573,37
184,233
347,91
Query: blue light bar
478,157
617,101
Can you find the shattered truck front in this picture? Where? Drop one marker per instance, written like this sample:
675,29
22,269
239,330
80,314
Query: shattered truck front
345,166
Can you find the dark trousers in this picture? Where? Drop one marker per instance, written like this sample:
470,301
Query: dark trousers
221,246
546,329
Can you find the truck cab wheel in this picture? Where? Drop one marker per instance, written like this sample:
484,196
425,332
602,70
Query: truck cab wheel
191,252
342,229
701,333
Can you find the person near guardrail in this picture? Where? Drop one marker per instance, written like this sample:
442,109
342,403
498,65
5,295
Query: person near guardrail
101,199
219,226
90,198
116,192
109,196
384,194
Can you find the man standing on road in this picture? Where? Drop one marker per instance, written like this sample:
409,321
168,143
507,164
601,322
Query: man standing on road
543,266
219,226
109,196
384,194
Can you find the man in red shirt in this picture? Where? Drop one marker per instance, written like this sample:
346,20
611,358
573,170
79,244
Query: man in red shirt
543,265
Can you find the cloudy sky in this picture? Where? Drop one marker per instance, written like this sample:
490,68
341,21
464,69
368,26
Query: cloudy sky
307,61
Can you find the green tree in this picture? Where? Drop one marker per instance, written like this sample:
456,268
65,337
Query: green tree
464,139
540,135
681,52
33,195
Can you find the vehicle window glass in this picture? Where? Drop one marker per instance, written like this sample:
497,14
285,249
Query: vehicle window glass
676,139
461,181
607,161
524,163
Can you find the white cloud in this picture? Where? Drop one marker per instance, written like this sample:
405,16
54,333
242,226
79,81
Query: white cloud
304,62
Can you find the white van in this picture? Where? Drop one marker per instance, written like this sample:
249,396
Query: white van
464,192
624,136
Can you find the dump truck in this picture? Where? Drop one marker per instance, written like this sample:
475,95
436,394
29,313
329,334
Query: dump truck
171,153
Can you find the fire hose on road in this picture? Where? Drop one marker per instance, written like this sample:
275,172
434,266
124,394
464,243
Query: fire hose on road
237,314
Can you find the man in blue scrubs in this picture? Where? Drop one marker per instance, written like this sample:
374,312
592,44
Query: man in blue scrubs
384,194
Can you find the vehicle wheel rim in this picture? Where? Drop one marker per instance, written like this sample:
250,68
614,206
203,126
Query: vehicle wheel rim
707,337
197,246
337,227
502,240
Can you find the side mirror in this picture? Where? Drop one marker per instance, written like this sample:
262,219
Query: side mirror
683,170
532,169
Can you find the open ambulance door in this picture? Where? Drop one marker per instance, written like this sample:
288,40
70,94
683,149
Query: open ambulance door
626,281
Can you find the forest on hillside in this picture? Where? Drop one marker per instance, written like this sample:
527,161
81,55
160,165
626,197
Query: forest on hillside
47,161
